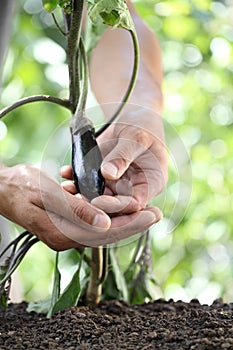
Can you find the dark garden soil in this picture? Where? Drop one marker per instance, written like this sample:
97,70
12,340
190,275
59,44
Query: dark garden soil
116,325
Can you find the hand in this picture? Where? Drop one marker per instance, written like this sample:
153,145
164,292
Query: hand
135,162
135,169
38,203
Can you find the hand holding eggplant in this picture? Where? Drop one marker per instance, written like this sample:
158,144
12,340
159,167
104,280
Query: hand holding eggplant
138,156
37,202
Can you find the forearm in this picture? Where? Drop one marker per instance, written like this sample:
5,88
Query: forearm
112,62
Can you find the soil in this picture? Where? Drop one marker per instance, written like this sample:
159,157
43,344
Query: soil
117,325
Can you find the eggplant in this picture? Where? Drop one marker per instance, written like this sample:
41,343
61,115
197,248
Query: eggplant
86,162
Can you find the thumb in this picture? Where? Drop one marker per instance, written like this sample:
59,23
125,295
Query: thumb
119,159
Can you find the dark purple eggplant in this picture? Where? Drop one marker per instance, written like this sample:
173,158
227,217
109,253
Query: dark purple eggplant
86,162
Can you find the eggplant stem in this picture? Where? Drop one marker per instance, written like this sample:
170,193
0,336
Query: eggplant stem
83,95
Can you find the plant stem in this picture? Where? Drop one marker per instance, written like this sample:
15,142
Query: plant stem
15,242
144,261
35,98
74,22
94,288
134,260
130,86
18,256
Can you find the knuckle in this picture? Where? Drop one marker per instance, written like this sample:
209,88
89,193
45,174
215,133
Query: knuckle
31,220
138,134
141,136
137,206
123,159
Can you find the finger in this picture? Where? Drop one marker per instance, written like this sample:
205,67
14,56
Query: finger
81,212
116,204
69,186
63,234
66,172
118,160
122,227
130,145
60,234
136,222
128,225
75,209
129,194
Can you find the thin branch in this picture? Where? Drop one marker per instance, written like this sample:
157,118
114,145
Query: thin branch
15,242
20,250
134,259
130,86
58,26
35,98
17,258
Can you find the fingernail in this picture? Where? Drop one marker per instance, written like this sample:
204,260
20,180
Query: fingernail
110,169
100,221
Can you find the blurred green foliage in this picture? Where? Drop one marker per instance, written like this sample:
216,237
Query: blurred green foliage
192,248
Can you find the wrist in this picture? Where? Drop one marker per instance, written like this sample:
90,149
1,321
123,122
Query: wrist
148,96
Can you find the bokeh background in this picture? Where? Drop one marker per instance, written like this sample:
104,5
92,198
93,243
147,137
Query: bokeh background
192,248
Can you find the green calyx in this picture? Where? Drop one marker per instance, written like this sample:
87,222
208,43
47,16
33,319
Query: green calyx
114,13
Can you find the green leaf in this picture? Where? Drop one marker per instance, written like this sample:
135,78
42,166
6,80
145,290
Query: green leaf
71,294
40,307
114,13
56,284
93,34
110,289
119,277
140,293
3,294
66,5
